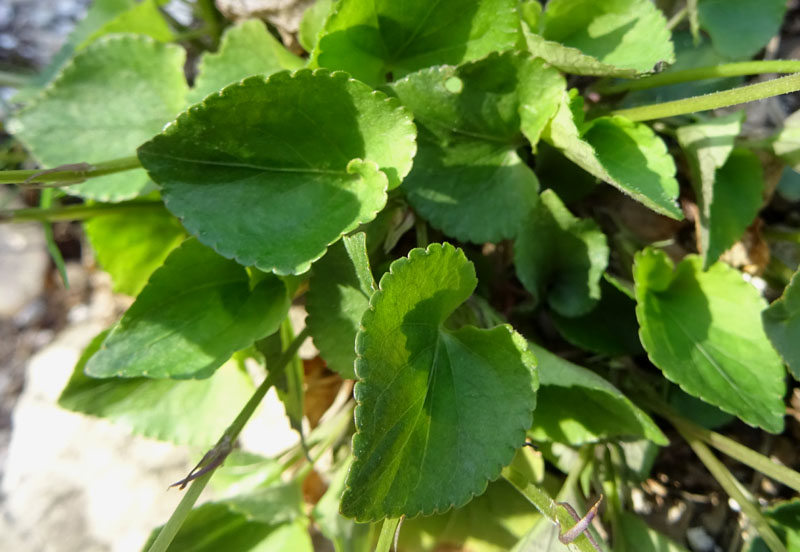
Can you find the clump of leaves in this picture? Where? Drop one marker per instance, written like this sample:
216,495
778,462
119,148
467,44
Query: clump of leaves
276,178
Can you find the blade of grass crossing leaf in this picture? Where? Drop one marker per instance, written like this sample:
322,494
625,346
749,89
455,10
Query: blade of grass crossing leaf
356,247
46,201
387,539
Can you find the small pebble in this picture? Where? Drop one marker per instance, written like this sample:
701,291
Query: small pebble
700,540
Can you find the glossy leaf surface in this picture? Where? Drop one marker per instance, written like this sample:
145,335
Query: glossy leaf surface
629,34
196,310
577,406
782,324
627,155
273,170
560,258
468,179
189,412
117,92
440,411
703,330
246,49
373,39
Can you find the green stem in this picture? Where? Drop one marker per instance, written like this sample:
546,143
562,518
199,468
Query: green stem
70,174
209,14
77,212
734,490
546,506
738,69
726,98
386,538
676,19
729,447
421,229
230,435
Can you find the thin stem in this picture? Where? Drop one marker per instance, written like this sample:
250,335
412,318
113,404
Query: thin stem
738,69
546,505
77,212
676,19
71,174
230,435
388,531
735,96
734,490
421,229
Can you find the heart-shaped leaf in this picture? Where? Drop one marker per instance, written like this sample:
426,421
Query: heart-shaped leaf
467,178
196,310
374,39
273,170
440,411
117,92
703,330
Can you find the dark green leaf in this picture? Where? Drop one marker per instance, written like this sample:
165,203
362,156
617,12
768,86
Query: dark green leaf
273,170
130,248
740,28
610,328
467,178
373,40
629,34
560,258
312,23
577,406
703,330
192,412
439,412
627,155
782,324
246,49
196,310
113,96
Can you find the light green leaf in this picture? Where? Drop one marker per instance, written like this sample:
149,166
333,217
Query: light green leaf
627,155
191,412
246,49
115,94
196,310
782,324
577,406
266,521
630,34
572,60
703,330
143,18
312,23
130,248
376,40
440,411
728,188
273,170
356,247
740,28
335,303
560,258
468,179
610,328
786,143
639,537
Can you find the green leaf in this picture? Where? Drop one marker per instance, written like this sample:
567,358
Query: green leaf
196,310
610,328
143,18
703,330
262,522
246,49
115,94
468,179
740,28
630,34
131,248
785,519
782,325
560,258
637,536
376,40
728,187
627,155
440,411
312,23
345,534
191,412
335,303
273,170
572,60
577,406
786,143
